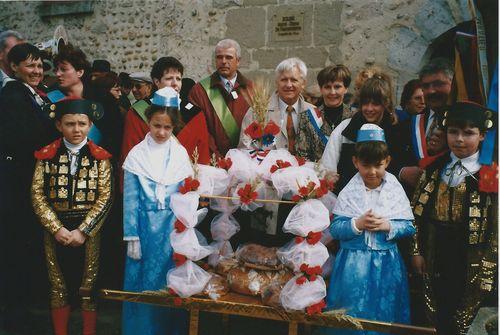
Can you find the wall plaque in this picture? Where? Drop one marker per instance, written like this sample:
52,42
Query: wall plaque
288,27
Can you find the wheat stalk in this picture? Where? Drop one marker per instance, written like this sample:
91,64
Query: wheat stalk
260,100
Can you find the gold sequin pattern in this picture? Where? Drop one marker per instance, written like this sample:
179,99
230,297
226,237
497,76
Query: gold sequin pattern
91,269
97,214
58,292
46,215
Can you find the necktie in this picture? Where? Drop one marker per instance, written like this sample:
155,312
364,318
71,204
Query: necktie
454,171
290,130
73,158
229,87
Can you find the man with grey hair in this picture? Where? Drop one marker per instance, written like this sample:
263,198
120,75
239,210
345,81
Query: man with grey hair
222,98
8,39
284,109
284,106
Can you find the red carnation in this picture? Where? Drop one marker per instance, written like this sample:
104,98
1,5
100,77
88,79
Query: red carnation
299,239
303,267
488,178
313,238
271,128
319,192
179,259
179,226
224,163
316,308
327,184
300,160
280,164
301,280
247,194
296,198
254,130
190,184
303,191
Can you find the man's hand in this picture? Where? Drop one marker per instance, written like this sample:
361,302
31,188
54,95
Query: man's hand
410,175
78,238
63,236
418,264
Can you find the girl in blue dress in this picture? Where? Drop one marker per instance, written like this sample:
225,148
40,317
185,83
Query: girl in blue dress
153,171
372,212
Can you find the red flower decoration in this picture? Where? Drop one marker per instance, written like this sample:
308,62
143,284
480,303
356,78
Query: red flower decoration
247,194
300,160
488,178
303,191
179,226
299,239
224,163
254,130
179,259
190,184
171,292
303,267
327,184
280,164
313,271
313,238
177,301
271,128
296,198
301,280
316,308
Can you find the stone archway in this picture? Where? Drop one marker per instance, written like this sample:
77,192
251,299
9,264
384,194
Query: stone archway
411,47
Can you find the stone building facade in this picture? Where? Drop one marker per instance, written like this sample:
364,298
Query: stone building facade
394,34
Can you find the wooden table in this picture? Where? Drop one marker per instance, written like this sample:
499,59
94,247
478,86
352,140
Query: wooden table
236,304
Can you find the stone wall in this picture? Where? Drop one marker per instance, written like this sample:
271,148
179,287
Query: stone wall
394,34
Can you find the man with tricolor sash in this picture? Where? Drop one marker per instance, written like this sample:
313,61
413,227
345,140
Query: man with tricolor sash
436,78
222,97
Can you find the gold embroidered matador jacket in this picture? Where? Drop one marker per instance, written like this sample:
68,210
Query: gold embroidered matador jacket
79,201
457,231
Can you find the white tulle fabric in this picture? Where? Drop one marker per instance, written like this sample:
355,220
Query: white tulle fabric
294,254
264,168
244,168
213,181
223,227
297,297
329,200
188,279
307,216
261,194
291,178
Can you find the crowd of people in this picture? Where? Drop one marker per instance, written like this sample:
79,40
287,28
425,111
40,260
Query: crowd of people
87,148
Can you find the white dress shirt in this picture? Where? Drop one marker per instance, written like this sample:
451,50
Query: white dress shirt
456,170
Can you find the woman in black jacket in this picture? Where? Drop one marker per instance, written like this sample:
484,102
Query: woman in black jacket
376,107
24,128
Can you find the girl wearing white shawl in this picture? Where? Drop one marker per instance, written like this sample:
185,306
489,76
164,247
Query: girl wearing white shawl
371,213
154,169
